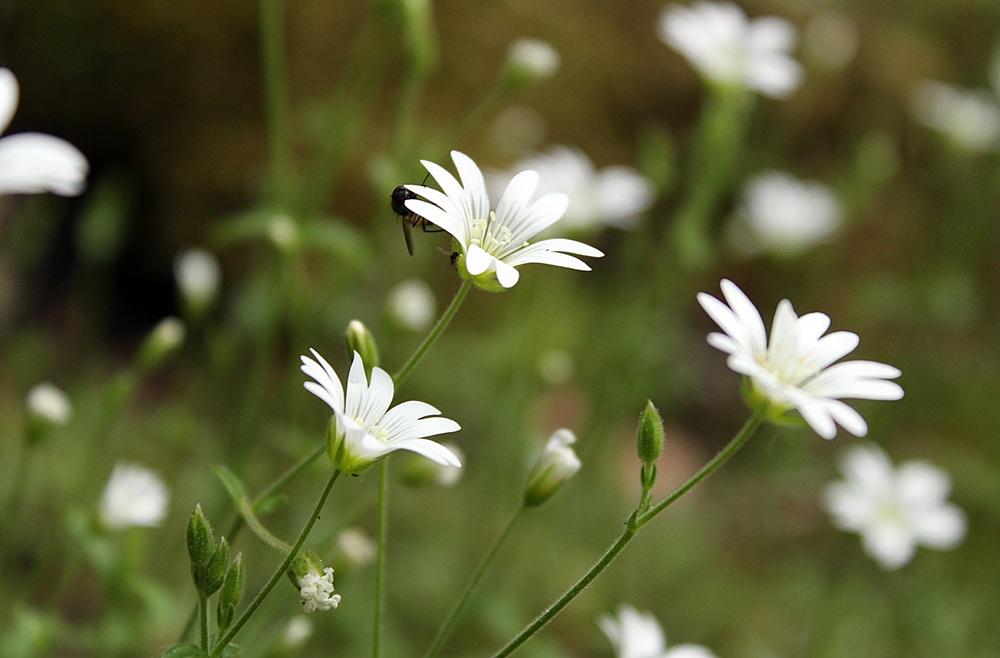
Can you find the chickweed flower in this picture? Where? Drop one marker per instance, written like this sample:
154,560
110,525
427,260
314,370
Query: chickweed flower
198,274
133,496
557,463
795,369
363,428
730,51
492,244
614,196
412,305
529,61
356,547
48,404
968,119
637,634
316,590
32,162
893,509
784,216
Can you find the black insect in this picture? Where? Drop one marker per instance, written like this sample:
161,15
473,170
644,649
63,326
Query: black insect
410,219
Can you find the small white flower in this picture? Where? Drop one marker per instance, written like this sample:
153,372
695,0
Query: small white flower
49,404
494,244
785,216
198,274
893,509
637,634
796,369
557,464
357,547
32,162
316,590
969,119
363,428
534,58
729,50
412,304
134,496
614,196
297,632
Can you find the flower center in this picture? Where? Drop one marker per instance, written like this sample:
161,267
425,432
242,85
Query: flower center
374,430
490,236
793,369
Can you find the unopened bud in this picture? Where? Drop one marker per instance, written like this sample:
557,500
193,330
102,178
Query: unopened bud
161,342
361,340
557,463
200,540
232,591
48,407
529,61
650,435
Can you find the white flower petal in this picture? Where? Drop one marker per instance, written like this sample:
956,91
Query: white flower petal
478,261
9,96
31,163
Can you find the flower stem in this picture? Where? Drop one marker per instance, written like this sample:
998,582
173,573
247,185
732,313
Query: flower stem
238,522
445,631
278,573
381,538
435,332
203,616
633,526
272,36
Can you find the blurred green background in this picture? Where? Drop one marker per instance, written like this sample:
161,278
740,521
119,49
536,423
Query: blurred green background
167,100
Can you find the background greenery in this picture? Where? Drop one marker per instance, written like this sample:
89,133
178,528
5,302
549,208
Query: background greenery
167,100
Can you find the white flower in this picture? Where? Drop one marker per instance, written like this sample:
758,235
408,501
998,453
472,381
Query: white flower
316,590
33,162
412,304
969,119
363,428
729,50
893,509
796,369
533,58
197,274
134,496
785,216
297,632
49,404
557,463
494,244
637,634
357,547
614,196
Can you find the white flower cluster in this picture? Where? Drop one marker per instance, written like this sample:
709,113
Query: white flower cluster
316,590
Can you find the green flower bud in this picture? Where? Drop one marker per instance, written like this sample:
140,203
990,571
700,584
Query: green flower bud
557,463
161,342
214,573
650,435
529,61
200,539
233,588
361,340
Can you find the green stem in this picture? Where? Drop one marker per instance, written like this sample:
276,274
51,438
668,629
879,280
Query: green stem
273,50
633,526
238,522
278,573
203,609
381,539
445,632
438,329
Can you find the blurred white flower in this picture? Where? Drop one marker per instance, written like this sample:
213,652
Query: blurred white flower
557,464
297,632
198,274
637,634
785,216
968,119
357,548
49,404
316,590
556,367
412,304
893,509
532,59
32,162
795,369
494,244
831,39
614,196
729,50
363,428
134,496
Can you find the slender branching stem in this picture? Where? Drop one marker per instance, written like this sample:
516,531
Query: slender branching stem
435,332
